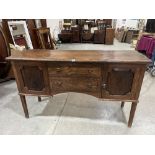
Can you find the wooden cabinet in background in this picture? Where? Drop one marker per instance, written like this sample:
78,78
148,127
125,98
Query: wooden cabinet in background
75,35
109,37
99,36
87,37
5,66
111,75
65,36
45,39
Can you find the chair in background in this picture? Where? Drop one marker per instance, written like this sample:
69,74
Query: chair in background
45,39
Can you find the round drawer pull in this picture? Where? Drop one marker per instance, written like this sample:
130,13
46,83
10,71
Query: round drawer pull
58,69
58,83
104,85
90,71
89,85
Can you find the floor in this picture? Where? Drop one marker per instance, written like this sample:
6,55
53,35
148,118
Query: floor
75,113
87,46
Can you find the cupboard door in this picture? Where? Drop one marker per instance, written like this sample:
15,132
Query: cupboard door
32,78
119,81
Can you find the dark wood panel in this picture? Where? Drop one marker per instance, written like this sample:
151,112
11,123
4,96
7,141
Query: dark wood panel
4,52
31,25
32,77
7,31
43,22
87,37
75,34
109,38
99,36
119,81
4,46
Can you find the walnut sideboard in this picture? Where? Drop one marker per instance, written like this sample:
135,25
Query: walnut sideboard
112,75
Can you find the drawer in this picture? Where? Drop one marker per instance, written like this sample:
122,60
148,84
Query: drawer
75,84
75,71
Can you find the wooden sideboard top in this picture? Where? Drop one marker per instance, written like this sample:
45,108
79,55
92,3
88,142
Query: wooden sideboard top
121,56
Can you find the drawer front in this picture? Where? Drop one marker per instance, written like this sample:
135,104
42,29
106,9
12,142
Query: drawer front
75,84
74,71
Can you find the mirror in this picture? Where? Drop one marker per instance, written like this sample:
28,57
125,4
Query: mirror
20,34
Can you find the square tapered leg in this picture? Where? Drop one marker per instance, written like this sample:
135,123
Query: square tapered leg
132,113
23,100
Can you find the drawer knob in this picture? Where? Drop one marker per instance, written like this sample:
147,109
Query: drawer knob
89,71
89,85
59,83
104,85
58,69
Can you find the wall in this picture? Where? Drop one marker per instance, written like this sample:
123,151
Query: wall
54,26
127,23
131,23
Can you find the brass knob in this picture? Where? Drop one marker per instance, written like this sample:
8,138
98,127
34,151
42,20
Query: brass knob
89,85
59,83
89,71
58,69
104,85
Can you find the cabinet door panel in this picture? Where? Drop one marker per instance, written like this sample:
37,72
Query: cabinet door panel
32,78
119,81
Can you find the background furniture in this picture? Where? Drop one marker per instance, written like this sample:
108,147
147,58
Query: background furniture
70,36
99,36
31,25
67,26
126,35
82,31
87,36
150,26
5,66
75,34
131,35
113,75
44,38
109,37
65,36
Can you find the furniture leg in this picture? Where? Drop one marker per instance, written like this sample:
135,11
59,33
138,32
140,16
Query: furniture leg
132,113
122,104
23,100
39,99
